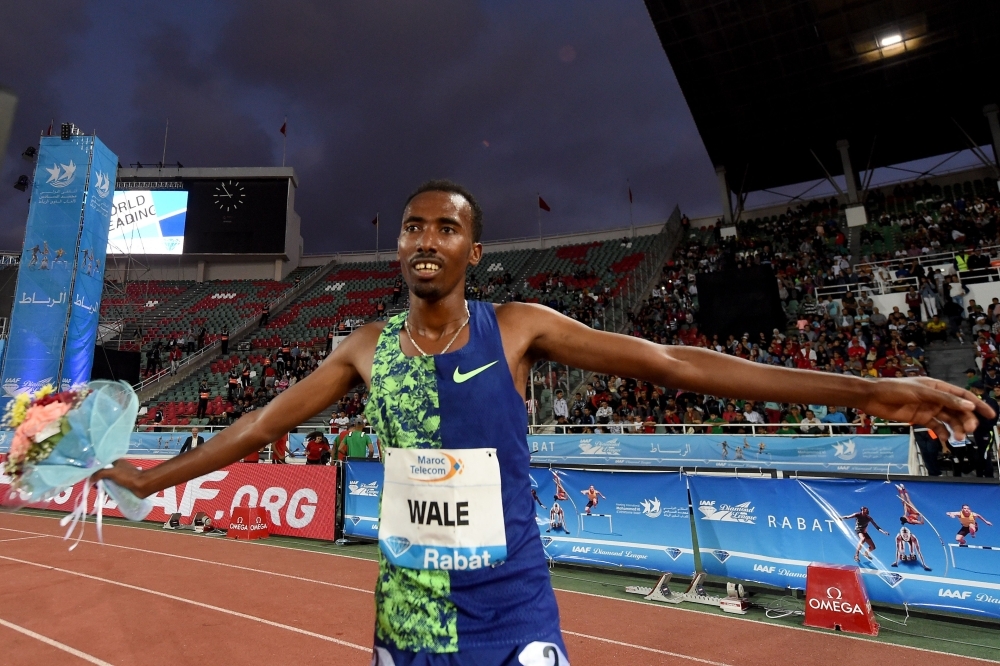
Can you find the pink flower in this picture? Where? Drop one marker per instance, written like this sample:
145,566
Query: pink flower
19,446
40,417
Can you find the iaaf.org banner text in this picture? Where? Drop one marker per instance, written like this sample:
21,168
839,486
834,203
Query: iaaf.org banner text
860,454
300,500
935,545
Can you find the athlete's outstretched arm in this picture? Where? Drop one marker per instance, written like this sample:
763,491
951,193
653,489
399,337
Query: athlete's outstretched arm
336,375
544,333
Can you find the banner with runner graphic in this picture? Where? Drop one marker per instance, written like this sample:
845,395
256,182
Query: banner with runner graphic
917,542
299,500
363,481
636,520
859,454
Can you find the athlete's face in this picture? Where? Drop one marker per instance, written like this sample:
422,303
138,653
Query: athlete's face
436,244
966,510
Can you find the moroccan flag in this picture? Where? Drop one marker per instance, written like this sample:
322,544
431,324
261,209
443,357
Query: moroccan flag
375,221
284,126
543,205
630,195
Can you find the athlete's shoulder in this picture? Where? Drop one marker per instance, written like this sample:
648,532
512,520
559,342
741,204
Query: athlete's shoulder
521,312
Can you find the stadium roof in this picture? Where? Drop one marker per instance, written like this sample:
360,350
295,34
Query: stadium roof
769,80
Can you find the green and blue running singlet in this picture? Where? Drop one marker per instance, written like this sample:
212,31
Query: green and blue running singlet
465,399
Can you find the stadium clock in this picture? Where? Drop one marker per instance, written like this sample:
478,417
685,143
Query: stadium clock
229,196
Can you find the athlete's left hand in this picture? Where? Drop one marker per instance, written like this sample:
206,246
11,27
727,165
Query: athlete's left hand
928,402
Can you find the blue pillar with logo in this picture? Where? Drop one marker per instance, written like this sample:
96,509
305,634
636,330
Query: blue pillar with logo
61,276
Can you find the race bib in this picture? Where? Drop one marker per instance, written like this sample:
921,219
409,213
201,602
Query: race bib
442,509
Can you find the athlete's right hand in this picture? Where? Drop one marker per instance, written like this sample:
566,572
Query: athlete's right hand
123,473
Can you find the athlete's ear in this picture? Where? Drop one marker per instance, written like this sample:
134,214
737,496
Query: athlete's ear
476,255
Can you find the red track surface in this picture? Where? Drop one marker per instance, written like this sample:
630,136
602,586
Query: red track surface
149,597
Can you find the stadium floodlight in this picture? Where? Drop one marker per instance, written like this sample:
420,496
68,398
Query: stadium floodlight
22,183
890,40
29,153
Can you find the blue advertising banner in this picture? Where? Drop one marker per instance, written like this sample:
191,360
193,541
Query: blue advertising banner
45,275
637,520
88,282
361,501
860,454
916,542
152,443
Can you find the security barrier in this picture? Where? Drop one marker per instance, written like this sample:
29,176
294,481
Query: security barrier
939,551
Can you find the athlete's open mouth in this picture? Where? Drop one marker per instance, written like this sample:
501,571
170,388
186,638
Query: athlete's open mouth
426,268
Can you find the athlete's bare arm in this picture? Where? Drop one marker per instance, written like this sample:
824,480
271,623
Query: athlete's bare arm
347,366
534,332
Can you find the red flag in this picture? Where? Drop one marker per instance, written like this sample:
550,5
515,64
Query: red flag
284,126
630,195
543,205
49,133
375,221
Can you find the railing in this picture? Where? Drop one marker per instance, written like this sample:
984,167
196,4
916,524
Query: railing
754,429
878,287
925,259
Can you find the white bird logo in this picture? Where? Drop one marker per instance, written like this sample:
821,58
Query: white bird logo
61,175
103,185
651,508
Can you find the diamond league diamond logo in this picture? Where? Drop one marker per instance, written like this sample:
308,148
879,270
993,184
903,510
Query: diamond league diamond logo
397,545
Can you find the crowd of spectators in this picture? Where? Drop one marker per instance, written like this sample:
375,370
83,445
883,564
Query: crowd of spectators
807,249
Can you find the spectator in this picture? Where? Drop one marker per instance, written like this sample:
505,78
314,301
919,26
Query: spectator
835,417
193,441
224,338
559,406
936,329
317,449
265,314
203,396
359,444
811,425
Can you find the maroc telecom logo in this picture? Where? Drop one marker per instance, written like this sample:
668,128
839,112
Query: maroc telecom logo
436,467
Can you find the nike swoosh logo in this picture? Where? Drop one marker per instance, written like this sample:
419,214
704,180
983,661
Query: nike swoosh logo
460,377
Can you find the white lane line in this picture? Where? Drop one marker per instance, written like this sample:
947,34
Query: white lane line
195,559
647,649
192,602
39,536
56,644
736,618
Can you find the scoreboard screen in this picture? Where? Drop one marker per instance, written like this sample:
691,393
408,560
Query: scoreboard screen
199,216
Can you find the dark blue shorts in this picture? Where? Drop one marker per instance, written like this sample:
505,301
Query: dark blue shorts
547,652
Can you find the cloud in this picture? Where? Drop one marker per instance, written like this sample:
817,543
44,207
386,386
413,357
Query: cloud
510,100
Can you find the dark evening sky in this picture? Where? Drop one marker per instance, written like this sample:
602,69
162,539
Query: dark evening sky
509,98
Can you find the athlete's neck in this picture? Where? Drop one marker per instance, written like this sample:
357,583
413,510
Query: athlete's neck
432,319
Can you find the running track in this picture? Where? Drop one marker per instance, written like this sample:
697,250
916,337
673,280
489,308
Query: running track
148,597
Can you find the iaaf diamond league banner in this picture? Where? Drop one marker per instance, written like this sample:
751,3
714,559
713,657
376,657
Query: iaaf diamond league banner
855,453
45,275
300,500
925,544
361,501
89,281
638,520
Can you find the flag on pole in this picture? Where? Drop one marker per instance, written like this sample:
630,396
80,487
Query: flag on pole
284,127
543,205
49,133
630,195
375,221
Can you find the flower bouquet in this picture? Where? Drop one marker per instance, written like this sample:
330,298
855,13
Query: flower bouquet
63,438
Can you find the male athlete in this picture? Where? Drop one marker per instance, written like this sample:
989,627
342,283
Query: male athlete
967,517
861,521
472,398
908,548
592,495
557,519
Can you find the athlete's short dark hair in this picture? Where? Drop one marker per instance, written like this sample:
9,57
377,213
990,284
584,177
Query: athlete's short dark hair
454,188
